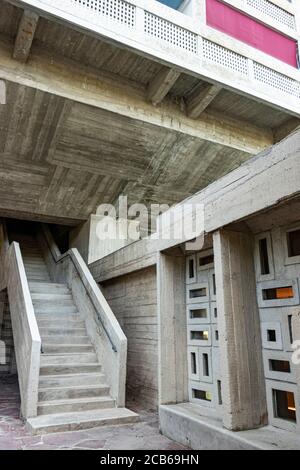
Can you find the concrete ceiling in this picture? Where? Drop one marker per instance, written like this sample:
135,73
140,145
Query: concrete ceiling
59,159
63,151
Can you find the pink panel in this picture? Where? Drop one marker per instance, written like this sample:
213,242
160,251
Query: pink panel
246,29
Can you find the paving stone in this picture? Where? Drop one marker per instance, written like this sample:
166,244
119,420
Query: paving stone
65,439
138,436
91,444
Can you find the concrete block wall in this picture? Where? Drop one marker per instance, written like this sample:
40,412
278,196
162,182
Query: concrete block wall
277,260
202,331
133,299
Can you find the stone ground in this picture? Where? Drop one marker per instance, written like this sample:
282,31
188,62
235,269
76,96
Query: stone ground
143,435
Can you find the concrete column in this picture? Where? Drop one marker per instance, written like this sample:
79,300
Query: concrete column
243,385
172,367
200,10
296,338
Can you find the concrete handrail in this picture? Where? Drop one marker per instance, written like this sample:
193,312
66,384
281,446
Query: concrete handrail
104,329
27,340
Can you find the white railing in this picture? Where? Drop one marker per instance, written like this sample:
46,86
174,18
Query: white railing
185,42
102,326
27,340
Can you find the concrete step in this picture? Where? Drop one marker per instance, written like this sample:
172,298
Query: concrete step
54,303
70,380
36,270
66,339
76,404
62,332
54,316
67,348
38,278
63,422
61,309
49,288
71,358
66,393
64,369
60,323
51,297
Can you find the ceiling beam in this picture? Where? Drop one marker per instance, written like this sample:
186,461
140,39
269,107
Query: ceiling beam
77,82
25,35
200,99
161,85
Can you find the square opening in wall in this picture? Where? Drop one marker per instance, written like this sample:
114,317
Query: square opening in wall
214,284
191,269
205,260
199,292
264,256
206,371
278,293
271,335
201,335
198,313
293,242
280,366
284,405
219,385
193,363
215,312
202,395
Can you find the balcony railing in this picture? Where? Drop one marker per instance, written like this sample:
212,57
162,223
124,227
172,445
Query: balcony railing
181,41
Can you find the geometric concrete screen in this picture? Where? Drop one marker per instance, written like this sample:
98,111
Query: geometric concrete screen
277,263
202,331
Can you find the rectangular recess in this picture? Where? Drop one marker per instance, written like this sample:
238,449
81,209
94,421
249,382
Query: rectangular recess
193,363
284,405
198,313
191,269
202,393
199,335
205,260
283,408
263,255
197,293
282,293
278,293
293,243
278,365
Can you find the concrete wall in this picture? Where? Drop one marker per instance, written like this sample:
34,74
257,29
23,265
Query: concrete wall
133,299
91,247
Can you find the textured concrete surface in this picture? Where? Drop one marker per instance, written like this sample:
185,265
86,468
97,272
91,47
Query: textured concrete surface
143,435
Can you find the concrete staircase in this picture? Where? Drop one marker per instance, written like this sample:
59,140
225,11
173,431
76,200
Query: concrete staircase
73,393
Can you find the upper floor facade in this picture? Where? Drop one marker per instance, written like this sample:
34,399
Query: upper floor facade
247,46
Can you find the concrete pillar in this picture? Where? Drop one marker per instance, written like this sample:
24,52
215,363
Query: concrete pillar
296,339
172,367
243,385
